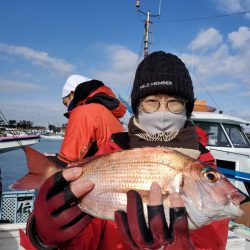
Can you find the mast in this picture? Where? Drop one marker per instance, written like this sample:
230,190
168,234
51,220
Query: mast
146,31
147,23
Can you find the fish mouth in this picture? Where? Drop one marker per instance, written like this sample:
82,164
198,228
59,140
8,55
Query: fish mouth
236,197
199,217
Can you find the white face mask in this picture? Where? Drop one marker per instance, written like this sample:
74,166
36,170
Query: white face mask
158,122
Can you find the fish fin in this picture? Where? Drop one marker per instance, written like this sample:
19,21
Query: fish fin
193,153
176,184
28,182
40,168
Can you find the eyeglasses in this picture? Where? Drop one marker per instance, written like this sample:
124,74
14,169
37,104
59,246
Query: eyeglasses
152,104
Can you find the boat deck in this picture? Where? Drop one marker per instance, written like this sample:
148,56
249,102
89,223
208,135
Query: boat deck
16,208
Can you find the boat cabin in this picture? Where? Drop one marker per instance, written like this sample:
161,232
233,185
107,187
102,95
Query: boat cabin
229,145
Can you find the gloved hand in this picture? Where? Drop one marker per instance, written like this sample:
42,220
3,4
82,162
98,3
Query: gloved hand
56,217
158,235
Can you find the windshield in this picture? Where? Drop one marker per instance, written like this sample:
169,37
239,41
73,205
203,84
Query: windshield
216,135
236,135
218,138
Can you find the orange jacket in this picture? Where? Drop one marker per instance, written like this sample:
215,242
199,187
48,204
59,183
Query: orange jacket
88,124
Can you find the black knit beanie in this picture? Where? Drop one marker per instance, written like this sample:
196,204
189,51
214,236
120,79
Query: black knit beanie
162,73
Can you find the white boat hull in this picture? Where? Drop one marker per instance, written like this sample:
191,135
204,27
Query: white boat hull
52,137
9,236
12,143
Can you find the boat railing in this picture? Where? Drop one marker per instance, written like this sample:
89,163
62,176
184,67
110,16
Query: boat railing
16,206
230,152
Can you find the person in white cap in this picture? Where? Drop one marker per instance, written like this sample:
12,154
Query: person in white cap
69,87
93,112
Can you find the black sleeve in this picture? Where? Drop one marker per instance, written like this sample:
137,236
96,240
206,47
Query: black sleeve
57,161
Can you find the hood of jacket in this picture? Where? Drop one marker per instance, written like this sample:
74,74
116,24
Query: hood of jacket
95,91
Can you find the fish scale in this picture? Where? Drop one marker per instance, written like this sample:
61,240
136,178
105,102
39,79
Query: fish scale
138,177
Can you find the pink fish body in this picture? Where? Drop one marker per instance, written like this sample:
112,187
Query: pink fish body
208,195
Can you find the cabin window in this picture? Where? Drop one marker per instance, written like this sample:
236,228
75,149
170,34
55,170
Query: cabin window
216,135
237,136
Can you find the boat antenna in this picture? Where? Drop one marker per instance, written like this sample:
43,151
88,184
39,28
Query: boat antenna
144,43
147,23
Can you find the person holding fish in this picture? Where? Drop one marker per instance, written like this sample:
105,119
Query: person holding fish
162,99
153,187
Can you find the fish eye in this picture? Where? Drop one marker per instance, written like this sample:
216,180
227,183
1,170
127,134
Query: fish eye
210,175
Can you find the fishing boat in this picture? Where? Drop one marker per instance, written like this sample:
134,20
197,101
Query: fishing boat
11,140
227,142
50,135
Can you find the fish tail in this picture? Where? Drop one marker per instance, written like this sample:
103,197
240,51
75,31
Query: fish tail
40,168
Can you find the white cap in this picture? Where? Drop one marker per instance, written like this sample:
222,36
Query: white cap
72,82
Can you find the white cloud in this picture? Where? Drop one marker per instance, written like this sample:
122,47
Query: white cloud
244,114
247,94
39,58
240,39
121,58
209,38
228,60
232,5
120,63
217,87
8,85
207,65
223,71
21,74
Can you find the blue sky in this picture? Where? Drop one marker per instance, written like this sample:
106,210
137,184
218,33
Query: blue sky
43,42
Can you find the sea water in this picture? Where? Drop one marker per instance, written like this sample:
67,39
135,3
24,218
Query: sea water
13,164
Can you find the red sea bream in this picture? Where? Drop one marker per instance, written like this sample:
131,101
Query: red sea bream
208,195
